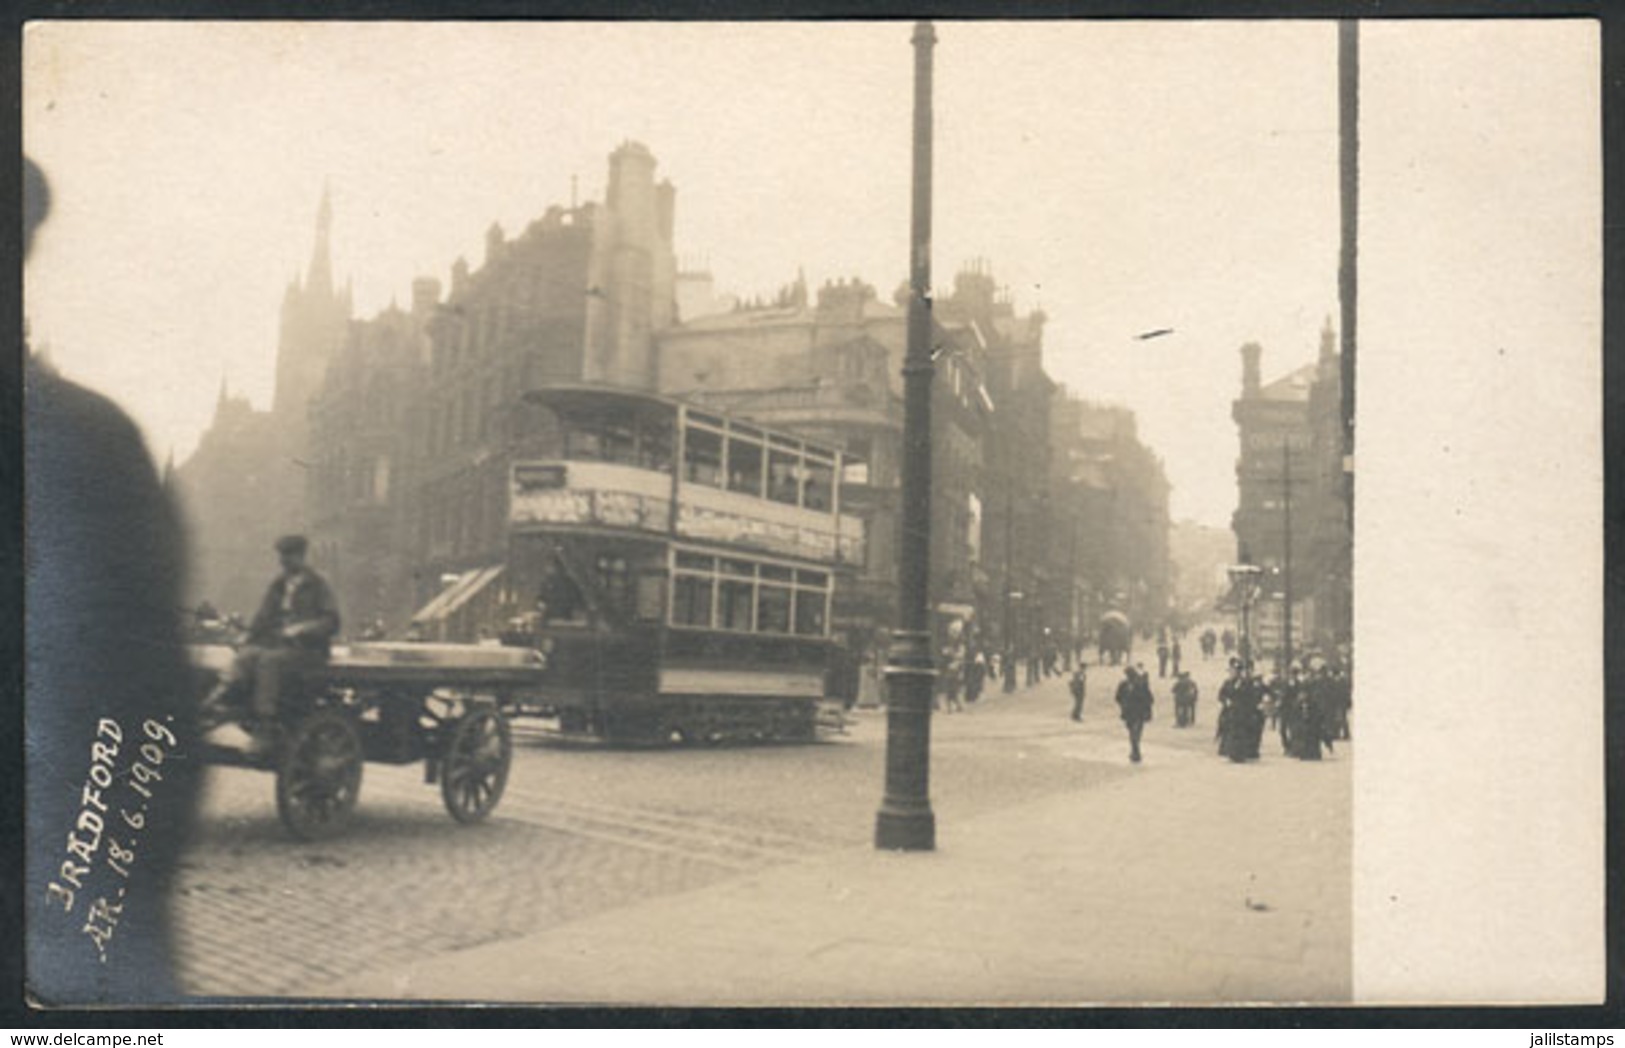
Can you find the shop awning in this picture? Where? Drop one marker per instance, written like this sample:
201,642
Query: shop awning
458,593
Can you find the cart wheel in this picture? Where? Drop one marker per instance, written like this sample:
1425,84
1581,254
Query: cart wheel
474,771
318,778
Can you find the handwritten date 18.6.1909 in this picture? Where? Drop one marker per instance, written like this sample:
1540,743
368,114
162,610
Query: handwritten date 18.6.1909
113,812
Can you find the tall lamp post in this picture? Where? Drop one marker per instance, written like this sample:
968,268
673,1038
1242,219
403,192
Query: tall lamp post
1244,577
905,821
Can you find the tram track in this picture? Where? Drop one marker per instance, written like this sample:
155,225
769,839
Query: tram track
706,840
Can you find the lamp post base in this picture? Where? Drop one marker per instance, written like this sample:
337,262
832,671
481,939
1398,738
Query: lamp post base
905,821
905,830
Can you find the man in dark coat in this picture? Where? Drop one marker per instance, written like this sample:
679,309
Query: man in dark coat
1185,692
110,734
1134,702
290,636
1078,685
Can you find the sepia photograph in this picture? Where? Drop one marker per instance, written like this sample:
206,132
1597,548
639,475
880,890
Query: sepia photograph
945,513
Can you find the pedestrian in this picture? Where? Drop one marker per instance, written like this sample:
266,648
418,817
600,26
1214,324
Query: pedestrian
1134,704
975,676
1185,692
1174,654
951,670
1209,641
1229,641
1342,700
103,675
1162,656
1241,722
1252,700
1078,685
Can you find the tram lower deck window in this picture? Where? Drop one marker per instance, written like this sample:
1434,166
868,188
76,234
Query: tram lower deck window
773,609
691,600
734,604
810,612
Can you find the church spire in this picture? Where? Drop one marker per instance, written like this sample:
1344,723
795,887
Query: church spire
320,277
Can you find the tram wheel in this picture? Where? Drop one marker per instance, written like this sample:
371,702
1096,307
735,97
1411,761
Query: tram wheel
318,778
474,770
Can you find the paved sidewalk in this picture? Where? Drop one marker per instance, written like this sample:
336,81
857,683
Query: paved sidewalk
1188,879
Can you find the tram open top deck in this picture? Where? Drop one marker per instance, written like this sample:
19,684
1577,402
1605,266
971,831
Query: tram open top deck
640,462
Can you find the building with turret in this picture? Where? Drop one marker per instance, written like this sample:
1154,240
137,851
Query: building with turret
413,420
1291,515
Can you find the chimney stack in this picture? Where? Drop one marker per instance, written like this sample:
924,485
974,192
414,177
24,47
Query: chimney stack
1249,369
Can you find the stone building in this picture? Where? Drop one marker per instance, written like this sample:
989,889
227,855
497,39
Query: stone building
1291,451
360,463
1013,487
414,420
830,369
1111,533
245,482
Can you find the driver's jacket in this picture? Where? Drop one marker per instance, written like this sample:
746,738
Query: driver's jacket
302,600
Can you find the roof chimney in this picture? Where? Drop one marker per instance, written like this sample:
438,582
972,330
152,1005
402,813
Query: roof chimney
1249,369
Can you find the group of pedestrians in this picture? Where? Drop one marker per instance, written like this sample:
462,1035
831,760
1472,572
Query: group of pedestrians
966,669
1308,706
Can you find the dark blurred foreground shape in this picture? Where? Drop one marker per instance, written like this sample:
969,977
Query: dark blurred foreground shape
106,688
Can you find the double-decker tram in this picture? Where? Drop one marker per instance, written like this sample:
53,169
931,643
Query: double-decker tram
676,567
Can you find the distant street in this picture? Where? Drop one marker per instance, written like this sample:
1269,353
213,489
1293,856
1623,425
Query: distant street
584,831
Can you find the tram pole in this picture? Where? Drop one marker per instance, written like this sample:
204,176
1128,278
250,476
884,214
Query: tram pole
905,821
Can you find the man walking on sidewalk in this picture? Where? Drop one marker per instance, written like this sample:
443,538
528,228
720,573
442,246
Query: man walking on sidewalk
1078,683
1134,702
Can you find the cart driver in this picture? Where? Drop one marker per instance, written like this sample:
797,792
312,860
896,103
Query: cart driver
291,635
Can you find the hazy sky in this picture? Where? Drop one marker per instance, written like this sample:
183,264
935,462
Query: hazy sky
1122,176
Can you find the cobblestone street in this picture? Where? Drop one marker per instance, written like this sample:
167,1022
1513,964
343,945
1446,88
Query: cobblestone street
585,830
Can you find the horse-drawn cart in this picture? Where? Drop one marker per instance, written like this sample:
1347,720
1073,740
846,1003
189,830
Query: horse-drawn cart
444,704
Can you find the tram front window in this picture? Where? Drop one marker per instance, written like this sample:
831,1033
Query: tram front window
559,600
583,443
619,443
654,447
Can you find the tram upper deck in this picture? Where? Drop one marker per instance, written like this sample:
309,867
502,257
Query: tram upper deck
642,463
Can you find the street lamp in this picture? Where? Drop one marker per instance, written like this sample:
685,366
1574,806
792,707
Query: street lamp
905,821
1244,580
